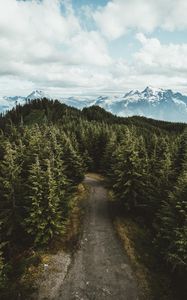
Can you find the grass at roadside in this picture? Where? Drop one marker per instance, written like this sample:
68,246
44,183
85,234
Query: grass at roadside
127,231
37,266
74,222
153,282
96,176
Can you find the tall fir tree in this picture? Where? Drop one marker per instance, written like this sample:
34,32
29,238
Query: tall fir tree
10,208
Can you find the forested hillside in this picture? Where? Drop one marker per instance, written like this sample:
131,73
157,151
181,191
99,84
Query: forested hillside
45,149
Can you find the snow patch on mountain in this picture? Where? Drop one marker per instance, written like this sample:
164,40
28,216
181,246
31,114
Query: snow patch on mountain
37,95
151,102
8,102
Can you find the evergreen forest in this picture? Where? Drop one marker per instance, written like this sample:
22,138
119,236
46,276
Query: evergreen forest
47,147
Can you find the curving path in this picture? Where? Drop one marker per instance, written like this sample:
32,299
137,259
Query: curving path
100,269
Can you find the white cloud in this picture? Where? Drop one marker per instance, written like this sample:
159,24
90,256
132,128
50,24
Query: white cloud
119,16
89,48
40,43
160,58
13,85
45,46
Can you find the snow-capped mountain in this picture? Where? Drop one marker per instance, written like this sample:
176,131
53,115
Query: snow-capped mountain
37,95
78,101
8,102
153,103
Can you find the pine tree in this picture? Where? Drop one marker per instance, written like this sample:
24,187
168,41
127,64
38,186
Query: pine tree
129,181
172,233
74,165
108,154
181,155
44,220
10,208
63,185
52,225
34,200
3,275
160,173
88,161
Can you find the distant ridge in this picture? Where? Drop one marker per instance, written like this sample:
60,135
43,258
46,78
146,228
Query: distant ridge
156,103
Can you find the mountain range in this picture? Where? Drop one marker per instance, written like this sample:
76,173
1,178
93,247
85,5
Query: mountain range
153,103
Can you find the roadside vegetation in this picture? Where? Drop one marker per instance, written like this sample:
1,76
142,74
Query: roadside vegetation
45,149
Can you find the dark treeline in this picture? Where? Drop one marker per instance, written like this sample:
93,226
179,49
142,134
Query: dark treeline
45,149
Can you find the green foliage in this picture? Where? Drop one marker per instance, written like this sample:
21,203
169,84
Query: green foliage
3,278
45,149
10,210
74,166
39,169
45,218
171,238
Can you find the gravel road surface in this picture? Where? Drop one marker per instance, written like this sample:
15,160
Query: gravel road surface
100,268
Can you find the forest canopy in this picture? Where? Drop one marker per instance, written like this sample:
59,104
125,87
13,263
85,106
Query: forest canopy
45,149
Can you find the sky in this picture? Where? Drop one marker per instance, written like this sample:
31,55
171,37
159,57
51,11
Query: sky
82,47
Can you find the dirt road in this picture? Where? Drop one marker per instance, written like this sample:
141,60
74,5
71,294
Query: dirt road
100,269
